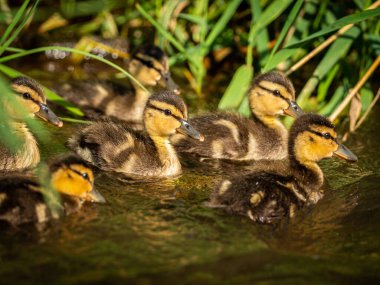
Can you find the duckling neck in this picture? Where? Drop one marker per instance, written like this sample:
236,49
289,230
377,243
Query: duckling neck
273,123
309,176
167,155
28,154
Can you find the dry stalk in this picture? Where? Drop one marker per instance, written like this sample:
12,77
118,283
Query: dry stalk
360,122
326,43
355,90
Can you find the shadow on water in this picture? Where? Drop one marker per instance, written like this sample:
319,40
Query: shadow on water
162,233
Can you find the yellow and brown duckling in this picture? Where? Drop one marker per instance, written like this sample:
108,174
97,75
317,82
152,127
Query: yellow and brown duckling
23,199
284,186
29,99
115,147
233,137
149,65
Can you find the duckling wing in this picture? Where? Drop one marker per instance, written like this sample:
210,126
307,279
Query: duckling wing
230,136
225,136
20,203
98,98
112,146
261,196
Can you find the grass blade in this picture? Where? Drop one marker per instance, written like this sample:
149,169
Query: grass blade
161,29
222,22
15,20
237,88
19,28
337,50
268,16
291,18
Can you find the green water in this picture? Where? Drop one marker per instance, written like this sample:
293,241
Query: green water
162,233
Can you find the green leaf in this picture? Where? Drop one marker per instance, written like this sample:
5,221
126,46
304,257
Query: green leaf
351,19
237,88
161,29
262,39
334,101
222,22
268,16
290,19
366,96
337,50
290,49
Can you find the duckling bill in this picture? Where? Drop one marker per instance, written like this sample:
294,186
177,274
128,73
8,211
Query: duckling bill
23,199
262,137
267,195
113,146
29,100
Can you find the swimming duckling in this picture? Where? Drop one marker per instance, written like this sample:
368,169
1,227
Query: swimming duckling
32,100
233,137
149,65
23,199
115,147
284,186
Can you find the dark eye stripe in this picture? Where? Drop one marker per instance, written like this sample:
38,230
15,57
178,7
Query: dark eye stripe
30,98
322,135
80,174
163,111
148,64
274,93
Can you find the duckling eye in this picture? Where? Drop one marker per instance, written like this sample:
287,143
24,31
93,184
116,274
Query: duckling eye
26,95
167,112
85,175
276,92
327,136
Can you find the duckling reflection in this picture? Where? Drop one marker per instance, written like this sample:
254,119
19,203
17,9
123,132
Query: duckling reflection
149,65
233,137
23,199
115,147
266,196
31,99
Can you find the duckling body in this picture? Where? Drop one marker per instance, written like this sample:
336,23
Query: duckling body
149,65
23,199
31,99
233,137
282,187
113,146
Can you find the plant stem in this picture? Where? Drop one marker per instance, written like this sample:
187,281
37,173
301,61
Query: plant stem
368,110
355,90
326,43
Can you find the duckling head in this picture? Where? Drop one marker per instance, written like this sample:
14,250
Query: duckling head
273,94
32,98
166,114
313,137
73,177
150,66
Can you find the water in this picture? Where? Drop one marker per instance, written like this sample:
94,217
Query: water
162,233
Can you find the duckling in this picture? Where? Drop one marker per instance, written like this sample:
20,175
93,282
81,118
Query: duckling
31,98
269,194
232,137
149,65
115,147
23,199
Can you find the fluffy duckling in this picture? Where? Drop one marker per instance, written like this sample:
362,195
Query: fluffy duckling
31,99
115,147
23,199
277,191
233,137
149,65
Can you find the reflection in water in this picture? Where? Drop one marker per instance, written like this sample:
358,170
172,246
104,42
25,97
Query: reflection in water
161,232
